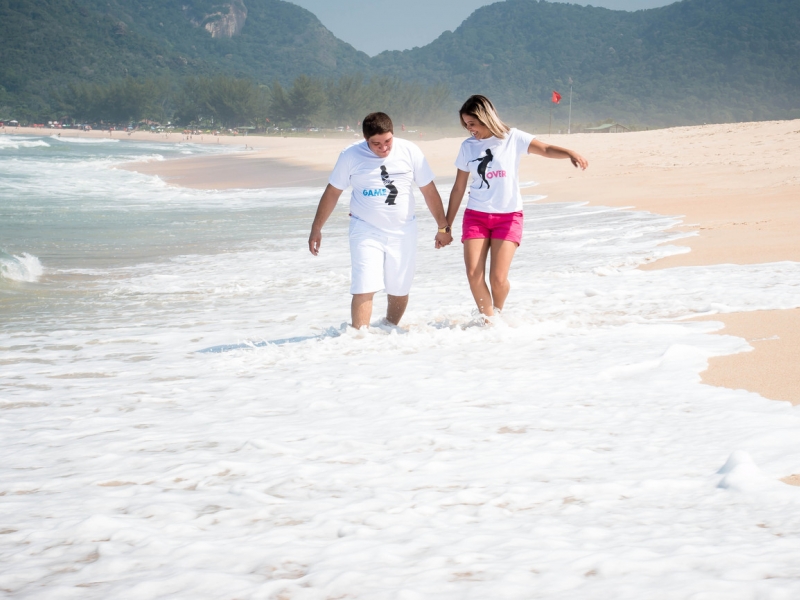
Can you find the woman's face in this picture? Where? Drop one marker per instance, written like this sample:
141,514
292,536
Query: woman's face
477,129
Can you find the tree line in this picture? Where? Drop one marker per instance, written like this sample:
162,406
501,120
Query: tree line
230,102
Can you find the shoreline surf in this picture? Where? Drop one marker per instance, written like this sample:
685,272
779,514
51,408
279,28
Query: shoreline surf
735,185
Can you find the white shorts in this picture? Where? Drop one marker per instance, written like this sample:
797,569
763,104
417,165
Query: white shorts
380,260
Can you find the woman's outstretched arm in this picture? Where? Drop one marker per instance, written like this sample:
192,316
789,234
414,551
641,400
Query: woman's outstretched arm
548,151
457,195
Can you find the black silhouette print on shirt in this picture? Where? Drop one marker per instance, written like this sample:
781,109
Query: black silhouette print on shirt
485,160
387,183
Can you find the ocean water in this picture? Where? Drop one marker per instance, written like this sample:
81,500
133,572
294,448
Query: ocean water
184,415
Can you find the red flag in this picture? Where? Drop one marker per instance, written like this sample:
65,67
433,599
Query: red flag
556,97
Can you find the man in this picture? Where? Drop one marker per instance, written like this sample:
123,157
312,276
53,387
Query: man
383,229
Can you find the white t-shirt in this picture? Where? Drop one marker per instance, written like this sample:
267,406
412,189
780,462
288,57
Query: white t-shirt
382,187
494,165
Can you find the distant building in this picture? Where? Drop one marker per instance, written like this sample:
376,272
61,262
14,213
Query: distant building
607,128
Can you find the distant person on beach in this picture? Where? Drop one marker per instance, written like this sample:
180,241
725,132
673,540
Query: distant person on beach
383,230
493,217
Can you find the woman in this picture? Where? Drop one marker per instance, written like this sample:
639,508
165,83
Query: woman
493,217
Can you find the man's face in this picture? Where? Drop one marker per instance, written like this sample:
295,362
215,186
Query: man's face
381,144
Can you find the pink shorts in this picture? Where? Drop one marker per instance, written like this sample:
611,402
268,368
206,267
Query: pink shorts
496,226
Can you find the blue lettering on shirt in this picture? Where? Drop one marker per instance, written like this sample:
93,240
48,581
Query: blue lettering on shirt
381,192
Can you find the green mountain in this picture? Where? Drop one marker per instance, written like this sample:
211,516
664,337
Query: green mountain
45,44
689,62
692,61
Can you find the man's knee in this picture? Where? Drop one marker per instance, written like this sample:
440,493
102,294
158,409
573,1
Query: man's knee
362,298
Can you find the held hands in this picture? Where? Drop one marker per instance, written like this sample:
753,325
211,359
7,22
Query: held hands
442,240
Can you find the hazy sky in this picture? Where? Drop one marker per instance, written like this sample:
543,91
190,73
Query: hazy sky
377,25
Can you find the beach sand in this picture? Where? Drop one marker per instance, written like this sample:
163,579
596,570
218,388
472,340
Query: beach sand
737,187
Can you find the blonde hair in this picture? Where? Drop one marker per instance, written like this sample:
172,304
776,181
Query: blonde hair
481,108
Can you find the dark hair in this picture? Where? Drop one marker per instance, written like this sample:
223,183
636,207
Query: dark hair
375,124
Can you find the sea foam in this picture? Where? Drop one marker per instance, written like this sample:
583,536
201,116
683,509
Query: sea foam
25,267
568,451
87,140
15,143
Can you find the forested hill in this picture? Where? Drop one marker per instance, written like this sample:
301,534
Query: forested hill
47,43
688,62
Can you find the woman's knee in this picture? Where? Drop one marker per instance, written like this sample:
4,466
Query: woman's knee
498,281
476,275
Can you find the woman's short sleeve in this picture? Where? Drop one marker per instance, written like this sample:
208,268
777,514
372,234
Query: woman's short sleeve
522,141
462,164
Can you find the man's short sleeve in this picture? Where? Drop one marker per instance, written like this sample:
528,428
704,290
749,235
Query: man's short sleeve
423,174
340,176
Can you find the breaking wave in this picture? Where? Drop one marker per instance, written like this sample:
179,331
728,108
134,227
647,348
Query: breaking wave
20,268
7,143
74,140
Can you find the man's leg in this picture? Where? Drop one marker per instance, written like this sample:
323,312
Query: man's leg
399,266
396,308
361,309
366,260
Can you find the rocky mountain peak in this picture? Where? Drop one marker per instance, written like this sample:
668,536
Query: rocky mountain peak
224,20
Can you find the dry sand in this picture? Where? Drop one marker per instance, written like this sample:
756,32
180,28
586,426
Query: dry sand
737,186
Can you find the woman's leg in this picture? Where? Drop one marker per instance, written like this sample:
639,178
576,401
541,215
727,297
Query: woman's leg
502,253
475,253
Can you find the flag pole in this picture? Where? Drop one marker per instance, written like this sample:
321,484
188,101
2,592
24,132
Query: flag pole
569,122
550,127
